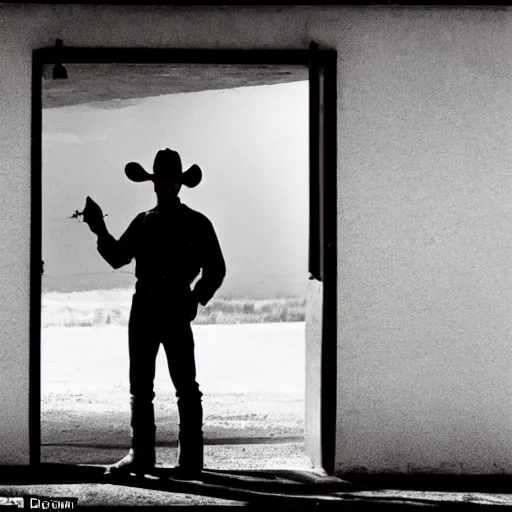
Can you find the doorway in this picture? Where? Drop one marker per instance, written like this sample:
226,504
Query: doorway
320,312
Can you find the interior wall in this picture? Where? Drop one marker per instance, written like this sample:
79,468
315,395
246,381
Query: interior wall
313,420
425,238
424,152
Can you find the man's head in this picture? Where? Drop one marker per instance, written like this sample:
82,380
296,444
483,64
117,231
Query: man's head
168,175
166,188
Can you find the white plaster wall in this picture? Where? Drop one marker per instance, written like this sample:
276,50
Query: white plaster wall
313,345
425,238
424,181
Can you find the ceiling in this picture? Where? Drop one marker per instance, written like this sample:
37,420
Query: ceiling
119,85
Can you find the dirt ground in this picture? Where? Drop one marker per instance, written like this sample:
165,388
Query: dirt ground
253,383
252,377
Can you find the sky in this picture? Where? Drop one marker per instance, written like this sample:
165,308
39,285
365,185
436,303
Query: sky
252,145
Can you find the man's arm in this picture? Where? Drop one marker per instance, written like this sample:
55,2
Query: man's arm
118,253
212,264
115,252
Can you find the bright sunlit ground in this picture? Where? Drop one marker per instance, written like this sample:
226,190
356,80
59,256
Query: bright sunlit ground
252,377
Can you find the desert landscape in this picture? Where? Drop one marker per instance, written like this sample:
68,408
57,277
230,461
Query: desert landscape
252,377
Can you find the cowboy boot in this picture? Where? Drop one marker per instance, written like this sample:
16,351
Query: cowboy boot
190,440
141,456
190,455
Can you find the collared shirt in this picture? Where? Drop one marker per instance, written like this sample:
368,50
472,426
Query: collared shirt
171,246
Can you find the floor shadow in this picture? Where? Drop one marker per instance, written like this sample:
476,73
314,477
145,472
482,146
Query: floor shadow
49,473
305,481
249,487
277,482
497,484
288,488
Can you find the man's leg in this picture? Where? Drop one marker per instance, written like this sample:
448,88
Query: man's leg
180,357
143,346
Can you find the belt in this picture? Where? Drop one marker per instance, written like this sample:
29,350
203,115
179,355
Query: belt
161,283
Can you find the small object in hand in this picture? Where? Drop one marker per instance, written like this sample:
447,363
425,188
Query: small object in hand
93,216
78,214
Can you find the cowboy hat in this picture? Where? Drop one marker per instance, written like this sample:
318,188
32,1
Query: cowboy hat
167,164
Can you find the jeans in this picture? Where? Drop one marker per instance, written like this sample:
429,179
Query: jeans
157,318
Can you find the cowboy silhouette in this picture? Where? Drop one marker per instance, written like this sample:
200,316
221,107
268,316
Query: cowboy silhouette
171,244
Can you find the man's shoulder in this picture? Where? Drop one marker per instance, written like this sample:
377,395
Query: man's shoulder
140,219
189,215
195,216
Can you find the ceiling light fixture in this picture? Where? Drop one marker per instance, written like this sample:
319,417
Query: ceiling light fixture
59,71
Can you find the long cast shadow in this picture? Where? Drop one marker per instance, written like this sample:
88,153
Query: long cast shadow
264,480
280,487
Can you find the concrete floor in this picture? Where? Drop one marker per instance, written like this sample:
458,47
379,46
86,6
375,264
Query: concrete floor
230,489
270,476
254,451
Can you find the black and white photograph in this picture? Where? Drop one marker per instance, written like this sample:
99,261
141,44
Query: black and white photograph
256,255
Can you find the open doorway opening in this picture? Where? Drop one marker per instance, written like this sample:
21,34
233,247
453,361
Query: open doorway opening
248,129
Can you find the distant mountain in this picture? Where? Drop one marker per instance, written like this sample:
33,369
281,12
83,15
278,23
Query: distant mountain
252,144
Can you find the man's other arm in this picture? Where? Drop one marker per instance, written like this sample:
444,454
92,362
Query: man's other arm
212,264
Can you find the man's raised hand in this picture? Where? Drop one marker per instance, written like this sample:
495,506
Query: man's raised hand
93,216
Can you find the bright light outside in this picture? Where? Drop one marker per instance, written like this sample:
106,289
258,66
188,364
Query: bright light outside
252,144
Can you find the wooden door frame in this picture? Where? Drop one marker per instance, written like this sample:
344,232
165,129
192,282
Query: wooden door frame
293,57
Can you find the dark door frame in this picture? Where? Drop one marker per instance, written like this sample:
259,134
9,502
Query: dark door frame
324,209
